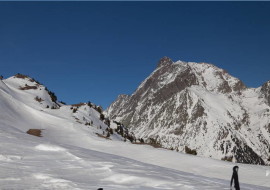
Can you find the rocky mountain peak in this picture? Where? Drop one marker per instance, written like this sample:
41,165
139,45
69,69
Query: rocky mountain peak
198,106
164,61
216,79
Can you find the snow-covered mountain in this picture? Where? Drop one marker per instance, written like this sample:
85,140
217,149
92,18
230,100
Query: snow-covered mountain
199,108
75,152
25,103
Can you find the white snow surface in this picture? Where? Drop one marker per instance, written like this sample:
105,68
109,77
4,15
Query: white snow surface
70,155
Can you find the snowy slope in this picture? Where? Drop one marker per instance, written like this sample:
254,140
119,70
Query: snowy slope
23,111
70,155
34,163
200,107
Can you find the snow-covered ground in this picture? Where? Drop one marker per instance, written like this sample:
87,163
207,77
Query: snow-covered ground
70,155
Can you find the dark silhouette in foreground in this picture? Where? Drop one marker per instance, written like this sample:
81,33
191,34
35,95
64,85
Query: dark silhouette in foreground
100,189
235,178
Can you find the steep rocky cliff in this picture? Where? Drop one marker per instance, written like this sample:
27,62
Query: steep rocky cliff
200,107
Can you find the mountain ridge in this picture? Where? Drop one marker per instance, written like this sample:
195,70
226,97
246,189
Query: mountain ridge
199,106
76,149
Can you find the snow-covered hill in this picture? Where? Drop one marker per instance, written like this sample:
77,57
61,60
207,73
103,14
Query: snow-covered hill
70,155
25,103
199,108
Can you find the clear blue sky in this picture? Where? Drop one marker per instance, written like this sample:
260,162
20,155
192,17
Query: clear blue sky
97,50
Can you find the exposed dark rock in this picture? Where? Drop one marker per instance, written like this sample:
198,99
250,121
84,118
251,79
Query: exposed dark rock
244,154
197,112
34,132
190,151
164,61
265,90
239,86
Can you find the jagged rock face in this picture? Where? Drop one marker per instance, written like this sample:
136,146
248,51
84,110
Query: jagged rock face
265,90
199,106
120,101
164,61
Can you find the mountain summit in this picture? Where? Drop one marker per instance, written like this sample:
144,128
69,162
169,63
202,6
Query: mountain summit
201,109
164,61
